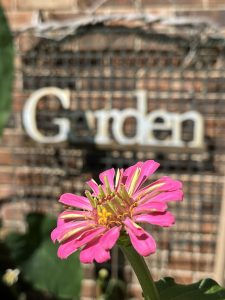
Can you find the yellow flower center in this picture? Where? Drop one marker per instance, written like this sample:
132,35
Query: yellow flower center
103,215
113,206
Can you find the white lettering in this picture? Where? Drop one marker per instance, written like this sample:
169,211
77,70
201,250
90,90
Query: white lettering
138,114
156,128
197,120
102,135
151,125
29,116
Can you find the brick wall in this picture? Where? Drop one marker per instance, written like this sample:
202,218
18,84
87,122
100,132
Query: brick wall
24,12
15,149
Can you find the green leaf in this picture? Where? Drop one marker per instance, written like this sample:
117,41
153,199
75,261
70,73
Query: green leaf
22,246
6,69
206,289
36,256
47,272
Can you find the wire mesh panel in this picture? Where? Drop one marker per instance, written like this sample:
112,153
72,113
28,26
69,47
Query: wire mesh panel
108,70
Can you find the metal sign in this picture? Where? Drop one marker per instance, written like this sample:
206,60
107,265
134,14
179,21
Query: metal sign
146,123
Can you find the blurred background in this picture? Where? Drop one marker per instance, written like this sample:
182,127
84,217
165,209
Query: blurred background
101,84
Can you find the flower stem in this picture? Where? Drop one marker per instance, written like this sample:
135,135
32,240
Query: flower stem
142,272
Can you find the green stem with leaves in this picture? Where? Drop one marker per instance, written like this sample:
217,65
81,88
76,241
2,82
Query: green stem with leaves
142,272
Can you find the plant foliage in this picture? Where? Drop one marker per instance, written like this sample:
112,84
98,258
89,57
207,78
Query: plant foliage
36,256
6,69
206,289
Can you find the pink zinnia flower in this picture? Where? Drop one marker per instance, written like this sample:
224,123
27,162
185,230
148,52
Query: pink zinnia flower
117,204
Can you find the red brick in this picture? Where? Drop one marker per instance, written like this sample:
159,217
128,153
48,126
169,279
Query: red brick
88,288
216,4
116,5
12,137
217,17
45,4
19,100
24,42
6,156
6,191
19,20
6,175
176,5
60,16
134,291
88,271
8,4
15,211
89,4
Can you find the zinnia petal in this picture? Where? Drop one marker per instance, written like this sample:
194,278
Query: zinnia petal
165,219
110,174
68,247
150,206
163,184
147,169
89,235
94,186
129,173
75,201
163,197
73,215
129,224
142,241
93,251
99,249
62,230
109,239
168,184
